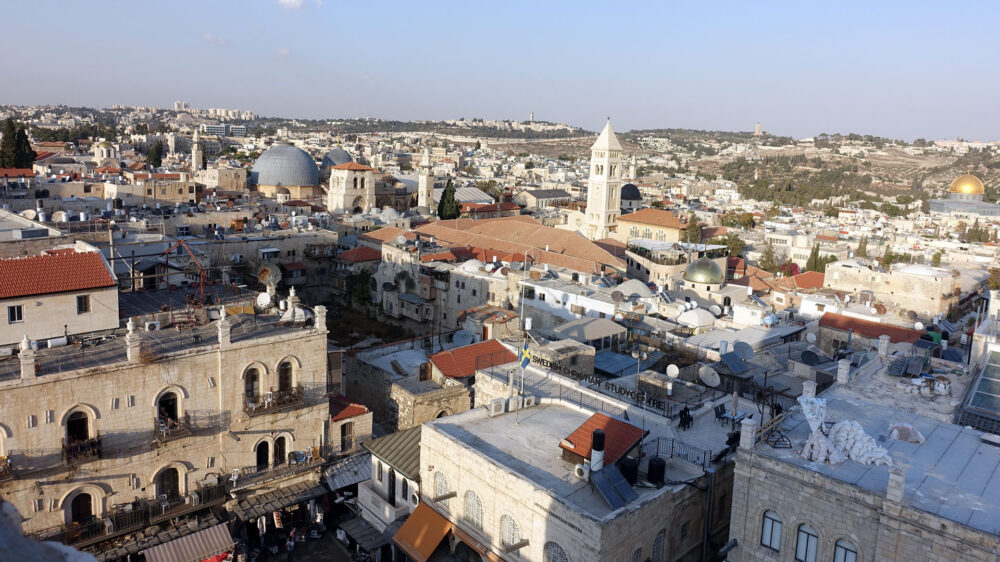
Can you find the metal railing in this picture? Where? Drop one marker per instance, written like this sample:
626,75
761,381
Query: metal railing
666,447
179,505
169,429
82,451
274,401
6,469
253,475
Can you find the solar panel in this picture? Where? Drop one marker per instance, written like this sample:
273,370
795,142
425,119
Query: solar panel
621,485
734,363
607,490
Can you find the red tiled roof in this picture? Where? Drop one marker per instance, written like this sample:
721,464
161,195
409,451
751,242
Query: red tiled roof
868,329
166,176
56,272
342,408
52,144
826,238
713,232
352,166
43,154
17,173
619,437
388,234
809,280
655,217
361,253
463,361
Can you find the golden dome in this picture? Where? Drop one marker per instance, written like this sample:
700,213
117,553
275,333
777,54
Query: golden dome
968,184
705,271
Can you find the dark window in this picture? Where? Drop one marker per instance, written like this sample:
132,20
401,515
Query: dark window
15,314
251,383
77,428
285,376
168,483
82,509
279,450
263,455
82,304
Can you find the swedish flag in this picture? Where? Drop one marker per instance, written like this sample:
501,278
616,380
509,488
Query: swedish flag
525,357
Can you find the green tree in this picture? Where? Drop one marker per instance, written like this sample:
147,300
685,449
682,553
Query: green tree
154,156
733,243
692,232
448,206
936,258
889,257
657,204
7,150
831,212
862,251
479,145
812,263
24,156
767,260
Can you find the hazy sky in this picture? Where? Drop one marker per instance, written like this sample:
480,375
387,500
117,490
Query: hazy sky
897,69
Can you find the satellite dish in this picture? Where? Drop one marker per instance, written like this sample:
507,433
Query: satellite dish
918,325
400,240
263,300
258,227
811,338
504,271
535,275
462,338
709,376
744,350
619,317
269,274
29,214
715,309
617,296
673,371
810,358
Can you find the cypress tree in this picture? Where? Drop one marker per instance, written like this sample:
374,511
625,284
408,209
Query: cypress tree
812,264
448,206
24,156
7,145
862,251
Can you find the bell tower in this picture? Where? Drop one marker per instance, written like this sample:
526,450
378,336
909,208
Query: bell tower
604,186
425,182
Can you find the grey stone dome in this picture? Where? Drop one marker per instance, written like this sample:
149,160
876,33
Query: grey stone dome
631,193
284,164
336,157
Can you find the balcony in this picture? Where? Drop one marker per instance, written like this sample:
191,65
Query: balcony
300,462
165,432
274,401
168,508
82,451
6,469
370,500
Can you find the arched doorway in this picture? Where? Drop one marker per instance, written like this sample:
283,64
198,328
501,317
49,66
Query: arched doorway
168,483
280,452
284,376
263,455
81,509
167,409
77,428
251,385
391,492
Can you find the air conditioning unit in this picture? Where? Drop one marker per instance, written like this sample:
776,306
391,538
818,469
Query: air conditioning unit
195,498
152,326
496,406
529,401
582,471
514,403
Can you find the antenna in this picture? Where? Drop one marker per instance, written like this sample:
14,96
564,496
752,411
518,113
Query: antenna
709,376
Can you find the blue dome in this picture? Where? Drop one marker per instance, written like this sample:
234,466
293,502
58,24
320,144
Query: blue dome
284,164
631,193
336,157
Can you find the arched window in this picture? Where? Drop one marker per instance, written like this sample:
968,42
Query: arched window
355,183
263,455
404,488
362,183
77,428
285,376
647,233
251,384
637,555
473,514
510,532
844,551
440,484
81,509
806,543
168,483
552,552
634,232
280,450
658,545
770,531
378,471
167,410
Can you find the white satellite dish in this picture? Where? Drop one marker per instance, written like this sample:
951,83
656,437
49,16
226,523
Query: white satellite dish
811,338
715,309
709,376
29,214
263,300
673,371
744,350
401,240
918,325
619,317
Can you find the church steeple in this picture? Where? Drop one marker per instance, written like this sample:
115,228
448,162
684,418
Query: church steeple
604,185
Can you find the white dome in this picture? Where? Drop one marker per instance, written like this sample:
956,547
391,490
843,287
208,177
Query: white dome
636,288
920,269
696,318
471,266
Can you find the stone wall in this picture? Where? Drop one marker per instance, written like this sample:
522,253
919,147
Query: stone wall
414,408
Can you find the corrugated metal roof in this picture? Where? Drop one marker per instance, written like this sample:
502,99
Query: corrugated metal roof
400,450
352,470
193,548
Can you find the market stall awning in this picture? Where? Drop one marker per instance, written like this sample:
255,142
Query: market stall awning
422,532
363,533
195,547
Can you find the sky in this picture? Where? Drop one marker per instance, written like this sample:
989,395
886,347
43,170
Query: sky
896,69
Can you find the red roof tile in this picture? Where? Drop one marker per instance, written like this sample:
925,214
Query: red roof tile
43,154
619,437
655,217
463,361
359,254
17,173
353,166
868,329
53,273
342,408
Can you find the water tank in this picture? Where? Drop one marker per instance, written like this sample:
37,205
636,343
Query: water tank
630,470
657,470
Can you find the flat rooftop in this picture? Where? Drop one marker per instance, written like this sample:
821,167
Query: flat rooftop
952,474
527,444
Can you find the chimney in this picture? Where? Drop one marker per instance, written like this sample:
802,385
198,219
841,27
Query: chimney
897,485
883,345
597,450
723,347
809,389
748,433
843,371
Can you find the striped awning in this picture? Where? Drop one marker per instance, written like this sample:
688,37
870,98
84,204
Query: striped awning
195,547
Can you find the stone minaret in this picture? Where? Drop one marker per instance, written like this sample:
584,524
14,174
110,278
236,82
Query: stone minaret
196,151
425,182
604,186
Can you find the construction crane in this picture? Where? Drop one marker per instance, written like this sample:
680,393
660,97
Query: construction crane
202,273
